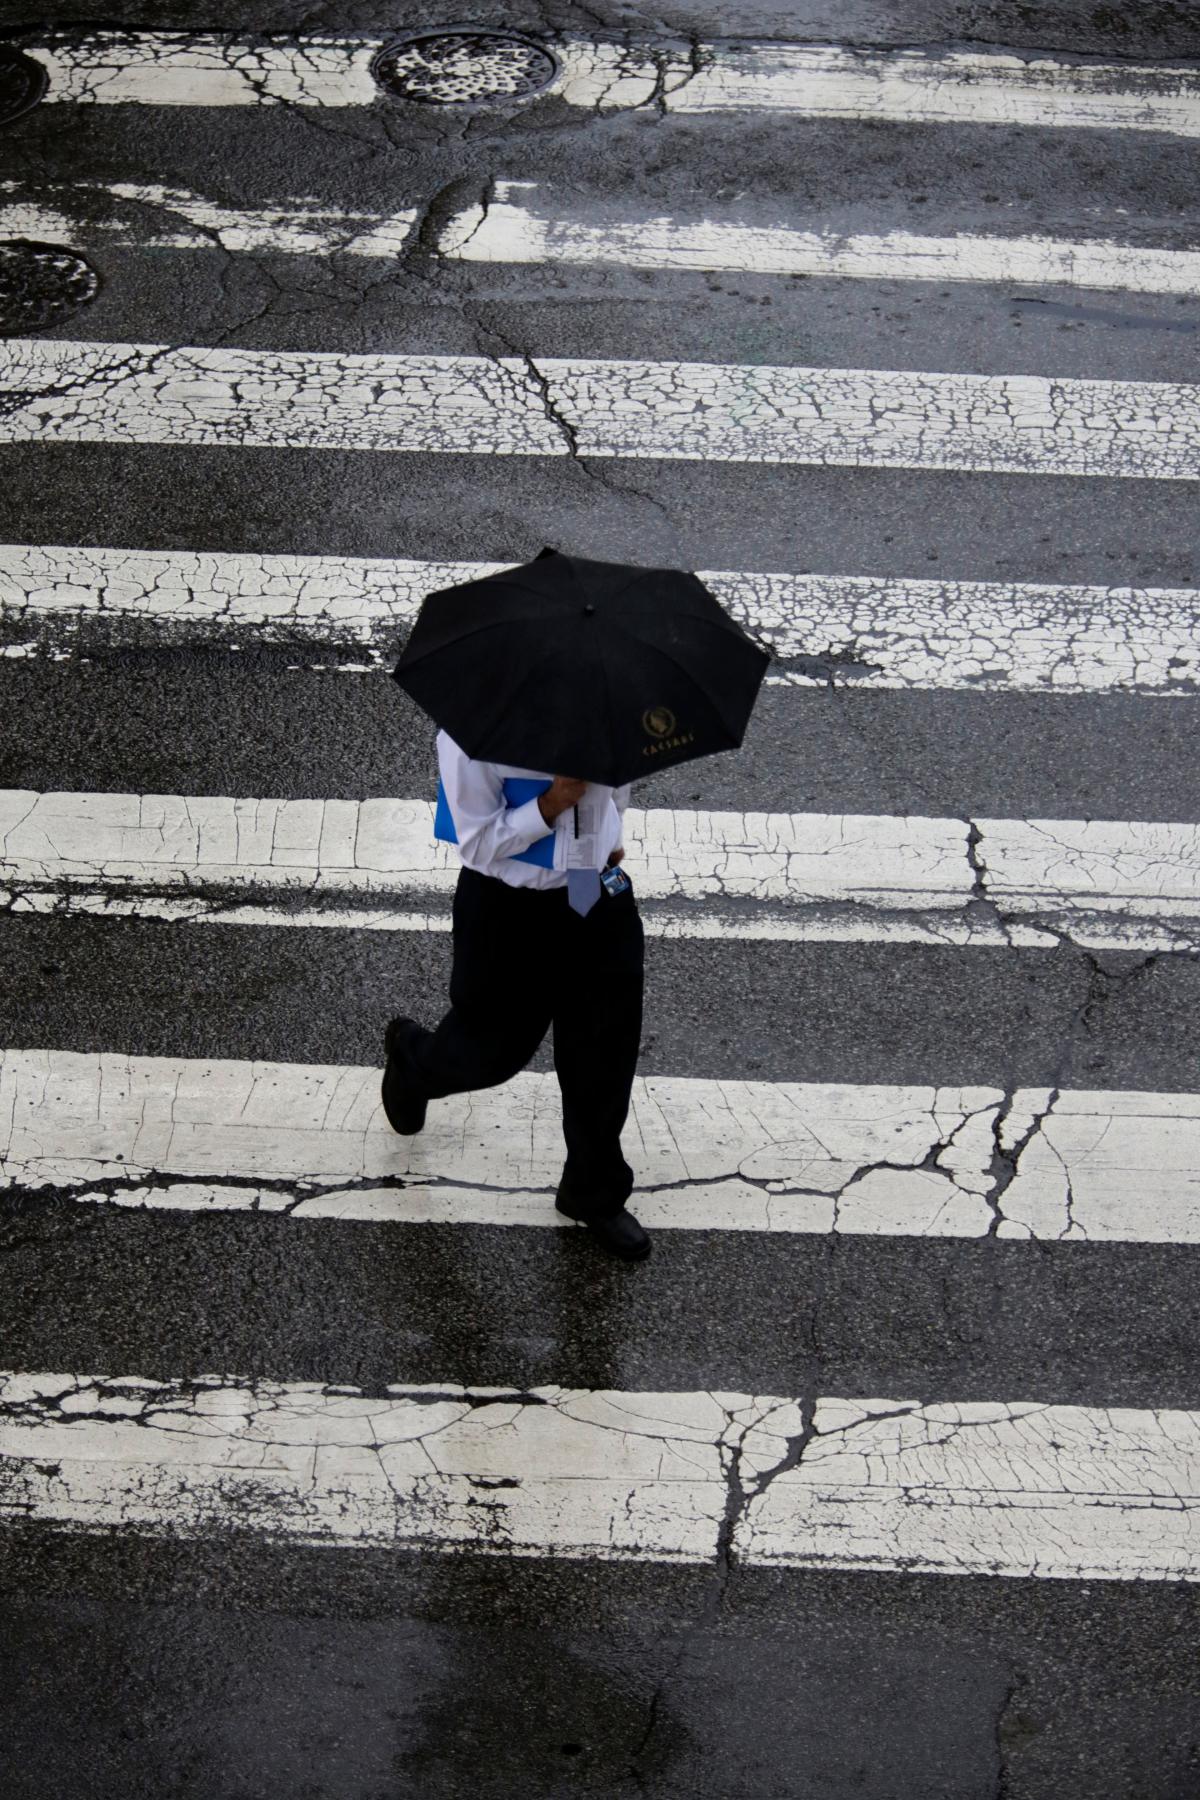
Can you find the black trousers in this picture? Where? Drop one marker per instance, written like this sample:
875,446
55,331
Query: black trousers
523,960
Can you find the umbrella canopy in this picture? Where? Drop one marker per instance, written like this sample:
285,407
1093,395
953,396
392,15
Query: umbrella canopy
598,670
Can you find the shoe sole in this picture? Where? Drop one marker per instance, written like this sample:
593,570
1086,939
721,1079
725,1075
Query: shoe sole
635,1255
624,1255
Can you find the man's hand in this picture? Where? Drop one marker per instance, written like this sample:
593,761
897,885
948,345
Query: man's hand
564,791
614,857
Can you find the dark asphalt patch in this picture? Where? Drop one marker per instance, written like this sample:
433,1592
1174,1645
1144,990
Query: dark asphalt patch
139,1668
933,525
150,1292
264,722
714,1010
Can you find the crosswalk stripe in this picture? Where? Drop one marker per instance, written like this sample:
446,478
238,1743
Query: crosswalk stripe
671,76
154,217
79,392
869,877
310,1140
879,631
502,231
1015,1488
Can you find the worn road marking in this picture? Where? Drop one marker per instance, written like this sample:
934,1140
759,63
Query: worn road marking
874,631
81,392
98,214
1015,1488
1076,1165
95,214
502,231
668,75
858,876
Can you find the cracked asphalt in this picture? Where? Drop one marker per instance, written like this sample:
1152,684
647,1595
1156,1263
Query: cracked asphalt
233,1664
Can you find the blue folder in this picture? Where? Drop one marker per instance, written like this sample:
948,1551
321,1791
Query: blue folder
517,790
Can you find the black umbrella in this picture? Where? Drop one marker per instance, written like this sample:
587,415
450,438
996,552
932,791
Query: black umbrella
598,670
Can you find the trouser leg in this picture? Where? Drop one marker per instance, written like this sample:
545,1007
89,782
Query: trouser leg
500,999
597,1035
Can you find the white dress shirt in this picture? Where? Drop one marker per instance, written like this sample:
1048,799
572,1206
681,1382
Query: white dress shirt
491,834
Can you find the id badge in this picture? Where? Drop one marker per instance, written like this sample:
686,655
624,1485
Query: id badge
614,881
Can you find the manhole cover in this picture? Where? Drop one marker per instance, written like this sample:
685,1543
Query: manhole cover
452,68
22,84
40,284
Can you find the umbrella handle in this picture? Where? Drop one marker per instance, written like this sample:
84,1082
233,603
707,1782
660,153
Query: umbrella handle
575,810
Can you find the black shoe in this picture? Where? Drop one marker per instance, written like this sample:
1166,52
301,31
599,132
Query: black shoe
405,1110
618,1232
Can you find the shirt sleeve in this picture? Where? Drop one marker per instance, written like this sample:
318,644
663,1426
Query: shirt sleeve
485,827
621,797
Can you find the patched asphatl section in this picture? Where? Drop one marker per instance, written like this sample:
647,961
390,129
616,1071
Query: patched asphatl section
456,68
22,84
40,285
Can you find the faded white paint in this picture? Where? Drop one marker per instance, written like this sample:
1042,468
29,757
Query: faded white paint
154,217
197,68
506,232
63,391
666,75
87,214
980,1488
880,632
1116,882
816,925
172,1134
1010,1488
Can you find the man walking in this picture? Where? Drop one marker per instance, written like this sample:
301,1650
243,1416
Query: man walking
546,931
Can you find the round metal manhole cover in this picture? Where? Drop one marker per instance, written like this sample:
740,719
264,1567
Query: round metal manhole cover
455,68
22,84
41,284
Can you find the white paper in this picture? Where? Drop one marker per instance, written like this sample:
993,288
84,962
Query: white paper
583,852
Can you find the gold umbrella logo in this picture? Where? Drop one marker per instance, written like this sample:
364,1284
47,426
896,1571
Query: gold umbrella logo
660,722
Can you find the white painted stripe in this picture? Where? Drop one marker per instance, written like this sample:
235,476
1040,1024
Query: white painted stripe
832,924
879,632
505,232
815,925
1114,882
1012,1488
670,76
154,217
1094,1165
69,392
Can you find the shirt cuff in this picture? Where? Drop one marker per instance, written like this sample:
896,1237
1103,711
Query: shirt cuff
526,821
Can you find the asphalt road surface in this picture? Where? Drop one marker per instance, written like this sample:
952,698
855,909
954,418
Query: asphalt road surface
333,1464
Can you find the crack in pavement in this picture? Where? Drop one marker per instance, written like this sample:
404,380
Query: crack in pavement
145,1182
740,1496
558,419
